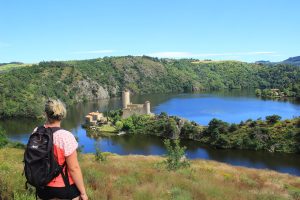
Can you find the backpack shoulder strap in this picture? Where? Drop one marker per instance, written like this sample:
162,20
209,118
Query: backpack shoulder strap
65,176
38,128
54,129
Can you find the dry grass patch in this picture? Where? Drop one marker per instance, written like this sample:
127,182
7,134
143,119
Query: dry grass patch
139,177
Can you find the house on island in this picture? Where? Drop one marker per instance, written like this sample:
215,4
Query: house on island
130,108
94,118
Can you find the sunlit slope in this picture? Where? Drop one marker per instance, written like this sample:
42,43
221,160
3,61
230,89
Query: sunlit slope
140,177
10,66
24,89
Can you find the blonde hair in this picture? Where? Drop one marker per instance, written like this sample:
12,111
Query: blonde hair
55,110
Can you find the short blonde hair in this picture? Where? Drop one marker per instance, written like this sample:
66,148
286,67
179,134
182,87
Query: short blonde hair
55,110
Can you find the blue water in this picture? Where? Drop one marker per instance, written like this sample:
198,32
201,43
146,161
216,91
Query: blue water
230,106
202,108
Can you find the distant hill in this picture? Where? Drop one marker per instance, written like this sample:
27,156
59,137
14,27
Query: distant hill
5,67
23,89
292,61
14,63
263,62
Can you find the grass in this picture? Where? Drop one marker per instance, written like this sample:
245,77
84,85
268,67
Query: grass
102,131
7,67
142,178
108,128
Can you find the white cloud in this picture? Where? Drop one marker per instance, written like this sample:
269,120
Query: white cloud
174,54
93,52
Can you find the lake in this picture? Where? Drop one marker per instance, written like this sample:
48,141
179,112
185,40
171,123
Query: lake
230,106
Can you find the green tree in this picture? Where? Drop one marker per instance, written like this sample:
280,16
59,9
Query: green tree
272,119
119,125
175,155
258,92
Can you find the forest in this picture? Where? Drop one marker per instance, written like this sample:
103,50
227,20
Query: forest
23,90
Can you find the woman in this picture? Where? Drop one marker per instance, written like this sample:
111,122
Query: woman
65,145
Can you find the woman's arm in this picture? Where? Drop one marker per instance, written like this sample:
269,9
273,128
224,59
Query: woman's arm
75,171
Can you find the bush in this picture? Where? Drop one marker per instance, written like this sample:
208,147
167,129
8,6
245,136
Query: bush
3,139
99,155
175,155
258,92
273,119
119,125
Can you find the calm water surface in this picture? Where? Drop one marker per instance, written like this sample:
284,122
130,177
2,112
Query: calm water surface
230,106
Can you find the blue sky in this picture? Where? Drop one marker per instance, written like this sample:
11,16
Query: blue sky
36,30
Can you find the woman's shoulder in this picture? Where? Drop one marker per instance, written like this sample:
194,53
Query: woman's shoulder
65,140
63,133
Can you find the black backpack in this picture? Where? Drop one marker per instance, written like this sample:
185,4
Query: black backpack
41,165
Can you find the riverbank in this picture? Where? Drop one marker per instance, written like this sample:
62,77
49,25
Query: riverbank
275,93
271,134
140,177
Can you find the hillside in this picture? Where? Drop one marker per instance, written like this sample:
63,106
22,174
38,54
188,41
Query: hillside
24,89
142,178
295,61
12,65
292,61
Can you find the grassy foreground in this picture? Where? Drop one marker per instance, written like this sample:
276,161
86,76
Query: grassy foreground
141,177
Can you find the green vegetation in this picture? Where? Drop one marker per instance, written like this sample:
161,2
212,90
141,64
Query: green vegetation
175,155
3,139
99,131
276,93
10,66
107,128
161,125
271,134
139,178
5,142
99,155
23,90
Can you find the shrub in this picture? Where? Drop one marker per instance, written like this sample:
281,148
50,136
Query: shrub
119,125
3,139
258,92
175,155
99,155
272,119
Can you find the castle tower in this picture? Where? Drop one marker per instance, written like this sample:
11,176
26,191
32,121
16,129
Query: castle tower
125,98
147,107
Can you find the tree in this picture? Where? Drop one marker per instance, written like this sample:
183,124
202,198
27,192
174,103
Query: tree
258,92
272,119
175,155
119,125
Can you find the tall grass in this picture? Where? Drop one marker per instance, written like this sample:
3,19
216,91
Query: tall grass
139,178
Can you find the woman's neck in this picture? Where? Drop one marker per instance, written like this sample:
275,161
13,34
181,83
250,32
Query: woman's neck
53,124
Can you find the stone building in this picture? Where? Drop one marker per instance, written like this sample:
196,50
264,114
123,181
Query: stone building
95,117
130,108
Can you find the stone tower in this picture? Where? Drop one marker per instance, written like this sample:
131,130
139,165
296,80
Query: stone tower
147,107
125,98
